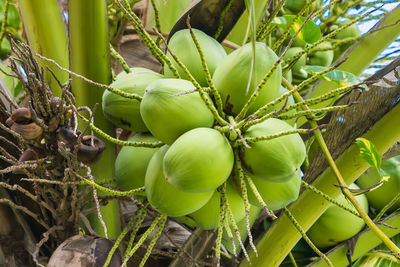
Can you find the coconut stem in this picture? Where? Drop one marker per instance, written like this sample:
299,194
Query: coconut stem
230,235
332,200
259,197
154,240
234,225
117,141
305,237
143,238
101,85
143,213
121,236
311,112
246,203
120,59
221,219
330,95
387,206
273,136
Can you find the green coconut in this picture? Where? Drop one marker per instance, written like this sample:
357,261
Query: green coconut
275,160
336,224
350,32
207,217
199,161
131,163
231,78
379,197
275,195
288,75
8,80
323,57
297,68
166,198
124,112
168,116
182,45
187,220
294,6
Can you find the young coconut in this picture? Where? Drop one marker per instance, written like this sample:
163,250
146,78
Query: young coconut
323,57
277,159
207,217
294,6
199,161
124,112
131,163
166,198
350,32
168,115
182,45
297,68
379,197
275,195
336,224
231,78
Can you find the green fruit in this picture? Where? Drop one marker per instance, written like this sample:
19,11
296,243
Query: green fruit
5,50
207,217
322,58
349,32
294,6
336,224
131,163
8,80
167,116
275,195
275,160
297,42
199,161
297,68
379,197
231,78
187,220
164,197
288,75
182,45
124,112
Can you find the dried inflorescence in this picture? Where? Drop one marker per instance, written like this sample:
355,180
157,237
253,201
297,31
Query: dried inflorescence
42,158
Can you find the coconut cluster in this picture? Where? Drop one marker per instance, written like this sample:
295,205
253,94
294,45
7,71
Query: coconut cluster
199,162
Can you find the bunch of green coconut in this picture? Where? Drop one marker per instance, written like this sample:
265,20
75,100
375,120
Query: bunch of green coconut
212,153
323,54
